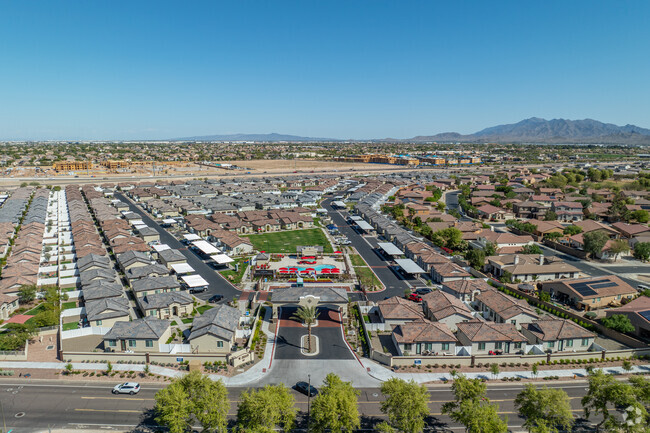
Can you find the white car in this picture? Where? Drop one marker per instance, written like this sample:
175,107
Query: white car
127,388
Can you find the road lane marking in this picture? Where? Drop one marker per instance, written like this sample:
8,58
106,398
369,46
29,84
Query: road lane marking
108,410
117,398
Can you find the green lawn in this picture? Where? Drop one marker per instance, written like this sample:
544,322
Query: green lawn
286,242
37,309
69,326
68,305
367,273
357,260
203,308
187,320
236,275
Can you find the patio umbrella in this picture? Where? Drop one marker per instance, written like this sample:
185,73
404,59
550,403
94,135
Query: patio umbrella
283,269
293,269
325,271
335,270
310,270
338,252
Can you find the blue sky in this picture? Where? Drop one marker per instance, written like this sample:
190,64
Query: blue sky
341,69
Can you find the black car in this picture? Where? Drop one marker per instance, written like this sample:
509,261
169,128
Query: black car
215,298
423,291
306,389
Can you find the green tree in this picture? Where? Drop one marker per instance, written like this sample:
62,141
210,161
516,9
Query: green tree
16,336
450,237
572,230
405,404
266,409
307,315
534,369
472,408
618,209
553,236
550,216
545,409
173,408
641,216
193,395
490,249
605,392
531,249
618,322
642,251
476,258
26,294
595,241
494,369
618,247
335,407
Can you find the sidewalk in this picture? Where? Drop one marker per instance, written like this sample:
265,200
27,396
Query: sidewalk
382,373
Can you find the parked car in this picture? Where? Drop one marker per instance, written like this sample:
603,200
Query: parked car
307,389
127,388
415,297
423,291
198,289
215,298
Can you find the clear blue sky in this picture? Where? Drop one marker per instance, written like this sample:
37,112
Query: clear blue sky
342,69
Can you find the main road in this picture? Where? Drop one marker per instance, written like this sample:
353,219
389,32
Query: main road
217,284
35,406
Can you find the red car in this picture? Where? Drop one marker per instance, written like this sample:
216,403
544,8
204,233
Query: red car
415,297
447,250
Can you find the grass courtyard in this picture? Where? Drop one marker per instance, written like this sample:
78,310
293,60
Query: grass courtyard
286,242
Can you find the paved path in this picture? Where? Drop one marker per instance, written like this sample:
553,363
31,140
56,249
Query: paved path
217,284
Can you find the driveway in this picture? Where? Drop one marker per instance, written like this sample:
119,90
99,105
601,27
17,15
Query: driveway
328,330
217,284
394,285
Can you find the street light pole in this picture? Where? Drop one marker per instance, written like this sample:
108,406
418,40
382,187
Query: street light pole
308,400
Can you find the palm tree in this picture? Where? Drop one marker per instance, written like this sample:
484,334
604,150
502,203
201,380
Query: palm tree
306,315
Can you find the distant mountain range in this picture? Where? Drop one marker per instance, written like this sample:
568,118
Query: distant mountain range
536,130
533,130
273,137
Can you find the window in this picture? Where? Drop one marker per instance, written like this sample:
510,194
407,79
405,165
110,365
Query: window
407,347
498,345
112,343
149,343
98,322
428,346
152,312
481,346
445,346
131,343
219,343
569,343
514,322
585,341
551,344
517,345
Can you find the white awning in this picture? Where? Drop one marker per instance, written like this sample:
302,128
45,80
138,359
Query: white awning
161,247
339,203
206,247
194,281
169,221
409,266
192,237
221,259
138,223
364,225
356,218
139,226
390,249
182,268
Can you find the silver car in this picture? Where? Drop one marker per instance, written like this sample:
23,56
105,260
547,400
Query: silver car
127,388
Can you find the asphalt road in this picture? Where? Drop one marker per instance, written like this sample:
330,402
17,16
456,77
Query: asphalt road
217,284
36,405
395,286
330,338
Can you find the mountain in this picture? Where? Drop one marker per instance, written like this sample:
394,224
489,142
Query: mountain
273,137
537,130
